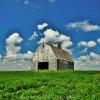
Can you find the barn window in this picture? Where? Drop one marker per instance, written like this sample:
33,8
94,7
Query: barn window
43,45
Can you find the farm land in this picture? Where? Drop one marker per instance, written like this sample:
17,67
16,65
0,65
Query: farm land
50,85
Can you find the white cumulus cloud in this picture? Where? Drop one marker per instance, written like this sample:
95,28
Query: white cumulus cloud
98,40
42,26
86,62
91,44
13,50
33,36
11,42
88,44
52,36
14,60
84,26
83,58
14,38
29,55
94,55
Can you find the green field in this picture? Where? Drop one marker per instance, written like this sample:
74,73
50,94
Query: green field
50,85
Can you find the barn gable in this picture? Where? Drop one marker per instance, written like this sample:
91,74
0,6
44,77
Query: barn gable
44,53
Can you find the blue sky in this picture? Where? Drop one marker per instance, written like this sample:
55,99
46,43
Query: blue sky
23,16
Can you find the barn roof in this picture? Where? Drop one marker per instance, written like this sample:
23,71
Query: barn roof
60,53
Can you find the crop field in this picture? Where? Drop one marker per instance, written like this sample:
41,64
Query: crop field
50,85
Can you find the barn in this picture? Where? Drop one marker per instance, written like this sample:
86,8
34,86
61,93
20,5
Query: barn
51,57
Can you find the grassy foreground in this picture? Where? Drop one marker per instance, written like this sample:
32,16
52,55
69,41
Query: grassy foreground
50,85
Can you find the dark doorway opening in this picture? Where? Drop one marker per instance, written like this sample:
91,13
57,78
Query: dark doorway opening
42,65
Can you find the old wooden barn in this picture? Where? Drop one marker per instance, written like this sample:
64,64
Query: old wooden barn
52,57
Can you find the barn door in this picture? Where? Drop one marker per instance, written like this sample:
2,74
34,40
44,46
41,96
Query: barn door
43,65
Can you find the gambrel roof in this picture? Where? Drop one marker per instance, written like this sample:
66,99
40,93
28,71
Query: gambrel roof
60,53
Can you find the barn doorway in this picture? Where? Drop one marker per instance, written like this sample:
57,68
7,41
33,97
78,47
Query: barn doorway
43,65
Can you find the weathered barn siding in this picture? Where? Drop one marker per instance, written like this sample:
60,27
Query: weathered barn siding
63,64
54,56
44,54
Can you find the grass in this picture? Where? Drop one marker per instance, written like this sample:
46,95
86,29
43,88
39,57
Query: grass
50,85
